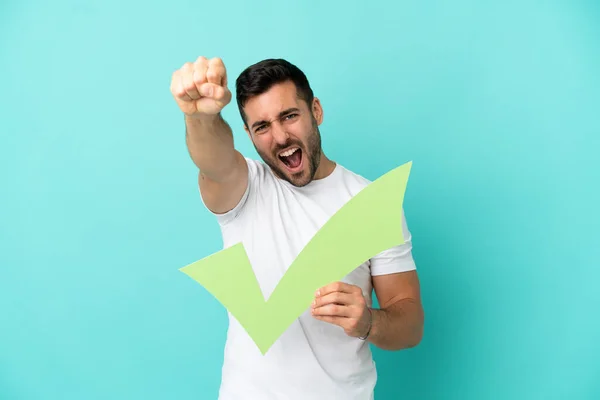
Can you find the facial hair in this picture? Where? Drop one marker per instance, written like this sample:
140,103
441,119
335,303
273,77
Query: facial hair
312,154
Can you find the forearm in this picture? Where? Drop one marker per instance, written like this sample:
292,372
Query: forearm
210,143
398,326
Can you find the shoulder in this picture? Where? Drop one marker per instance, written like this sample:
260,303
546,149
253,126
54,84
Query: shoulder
260,174
256,168
352,180
260,181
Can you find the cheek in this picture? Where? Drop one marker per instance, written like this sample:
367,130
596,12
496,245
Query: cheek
263,143
301,129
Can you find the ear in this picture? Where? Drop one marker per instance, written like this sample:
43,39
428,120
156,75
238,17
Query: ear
248,131
317,110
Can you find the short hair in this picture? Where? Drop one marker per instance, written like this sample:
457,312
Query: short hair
260,77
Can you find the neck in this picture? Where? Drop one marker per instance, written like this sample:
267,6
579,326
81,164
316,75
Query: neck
326,167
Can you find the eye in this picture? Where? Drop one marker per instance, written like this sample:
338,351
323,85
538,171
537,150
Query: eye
260,129
290,116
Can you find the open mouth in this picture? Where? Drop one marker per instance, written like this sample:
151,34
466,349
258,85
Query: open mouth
292,158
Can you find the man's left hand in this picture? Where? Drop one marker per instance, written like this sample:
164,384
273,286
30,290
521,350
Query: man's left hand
344,305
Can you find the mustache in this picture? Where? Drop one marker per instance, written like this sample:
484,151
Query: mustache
287,144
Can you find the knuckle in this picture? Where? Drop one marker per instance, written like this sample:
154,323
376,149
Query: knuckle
189,89
217,60
186,81
212,74
188,84
200,64
219,93
198,79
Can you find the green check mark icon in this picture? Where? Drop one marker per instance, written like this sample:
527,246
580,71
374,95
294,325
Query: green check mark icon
369,223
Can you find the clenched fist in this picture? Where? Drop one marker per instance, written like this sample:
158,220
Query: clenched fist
343,304
200,88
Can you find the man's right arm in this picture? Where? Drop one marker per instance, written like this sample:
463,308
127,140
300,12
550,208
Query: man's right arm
200,90
223,172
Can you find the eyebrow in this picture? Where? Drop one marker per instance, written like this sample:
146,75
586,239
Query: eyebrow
281,114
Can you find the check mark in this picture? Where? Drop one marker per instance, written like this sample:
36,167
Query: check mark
369,223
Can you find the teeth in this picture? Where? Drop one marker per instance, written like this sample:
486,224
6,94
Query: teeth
289,152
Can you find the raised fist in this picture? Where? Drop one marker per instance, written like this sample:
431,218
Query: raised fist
200,88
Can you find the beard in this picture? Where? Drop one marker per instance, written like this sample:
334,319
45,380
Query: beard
311,154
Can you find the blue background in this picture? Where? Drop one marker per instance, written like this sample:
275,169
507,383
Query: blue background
496,103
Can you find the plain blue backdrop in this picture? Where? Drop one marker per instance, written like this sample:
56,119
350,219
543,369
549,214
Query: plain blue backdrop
496,103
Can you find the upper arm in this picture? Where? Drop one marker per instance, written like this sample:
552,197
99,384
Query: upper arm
393,272
391,288
223,195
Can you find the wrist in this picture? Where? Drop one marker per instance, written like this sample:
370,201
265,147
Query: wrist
201,118
369,327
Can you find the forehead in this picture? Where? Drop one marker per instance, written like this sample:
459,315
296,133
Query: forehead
268,105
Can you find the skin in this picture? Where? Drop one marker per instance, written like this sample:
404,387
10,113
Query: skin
278,120
396,325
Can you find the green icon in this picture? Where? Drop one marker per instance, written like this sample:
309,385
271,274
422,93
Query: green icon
369,223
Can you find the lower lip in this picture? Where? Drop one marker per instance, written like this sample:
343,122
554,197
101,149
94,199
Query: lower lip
298,168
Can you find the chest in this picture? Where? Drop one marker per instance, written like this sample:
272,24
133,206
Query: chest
280,224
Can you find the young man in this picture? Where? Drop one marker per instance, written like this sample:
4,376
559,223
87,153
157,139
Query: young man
275,207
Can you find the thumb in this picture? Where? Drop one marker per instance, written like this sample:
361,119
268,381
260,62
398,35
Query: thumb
212,91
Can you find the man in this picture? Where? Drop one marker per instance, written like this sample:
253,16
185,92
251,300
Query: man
275,207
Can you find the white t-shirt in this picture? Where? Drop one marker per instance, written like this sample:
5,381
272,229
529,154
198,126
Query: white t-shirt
312,359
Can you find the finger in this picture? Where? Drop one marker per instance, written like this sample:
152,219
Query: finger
187,81
199,73
216,72
215,92
336,310
338,287
177,88
340,321
334,298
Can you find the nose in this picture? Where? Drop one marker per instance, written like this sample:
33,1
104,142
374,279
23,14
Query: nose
280,136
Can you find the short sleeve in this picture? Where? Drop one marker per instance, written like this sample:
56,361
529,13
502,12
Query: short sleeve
396,259
225,218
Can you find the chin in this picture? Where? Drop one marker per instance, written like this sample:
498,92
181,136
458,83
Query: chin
299,179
